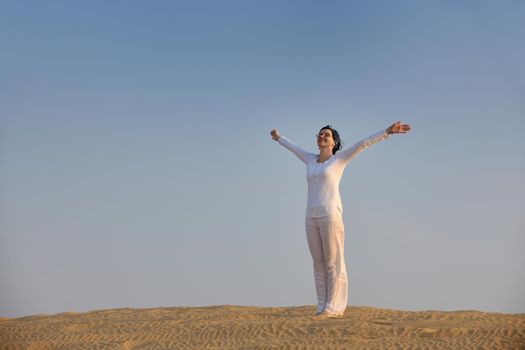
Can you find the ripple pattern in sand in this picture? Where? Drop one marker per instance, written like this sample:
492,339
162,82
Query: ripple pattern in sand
235,327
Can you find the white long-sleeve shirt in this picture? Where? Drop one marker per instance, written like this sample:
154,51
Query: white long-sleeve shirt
324,178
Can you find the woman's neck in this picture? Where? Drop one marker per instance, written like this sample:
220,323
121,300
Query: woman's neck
324,154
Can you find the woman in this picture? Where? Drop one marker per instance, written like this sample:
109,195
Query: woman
323,219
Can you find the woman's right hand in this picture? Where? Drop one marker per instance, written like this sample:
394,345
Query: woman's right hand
275,134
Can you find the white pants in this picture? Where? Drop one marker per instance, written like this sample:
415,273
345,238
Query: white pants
326,238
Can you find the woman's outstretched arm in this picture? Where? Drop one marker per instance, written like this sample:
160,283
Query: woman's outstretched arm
396,128
298,151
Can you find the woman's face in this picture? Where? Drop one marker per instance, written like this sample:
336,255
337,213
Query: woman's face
325,138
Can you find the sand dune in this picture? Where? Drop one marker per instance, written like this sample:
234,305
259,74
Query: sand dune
240,327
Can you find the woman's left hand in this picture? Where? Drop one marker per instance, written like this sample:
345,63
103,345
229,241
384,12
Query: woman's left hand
398,128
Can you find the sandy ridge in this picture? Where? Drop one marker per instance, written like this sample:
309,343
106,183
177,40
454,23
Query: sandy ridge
243,327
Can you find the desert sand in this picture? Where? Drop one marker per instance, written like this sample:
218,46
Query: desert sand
243,327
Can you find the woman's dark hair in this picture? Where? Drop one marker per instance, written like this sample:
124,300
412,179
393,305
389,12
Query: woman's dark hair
338,146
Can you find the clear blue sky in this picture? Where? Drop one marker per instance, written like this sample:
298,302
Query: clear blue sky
137,169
